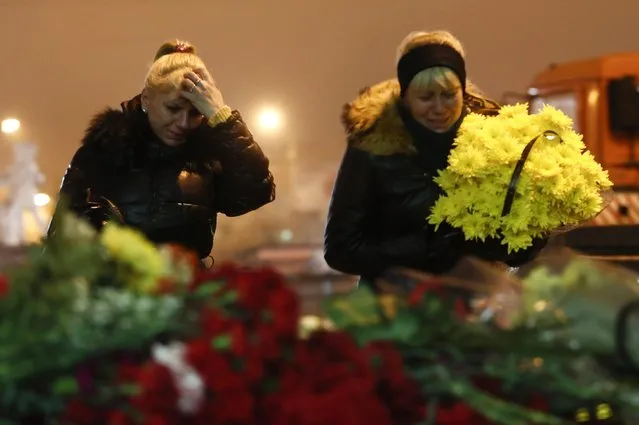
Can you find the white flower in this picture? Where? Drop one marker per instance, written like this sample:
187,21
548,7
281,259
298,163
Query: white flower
187,381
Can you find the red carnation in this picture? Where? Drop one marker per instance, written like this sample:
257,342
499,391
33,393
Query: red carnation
284,306
158,393
329,357
252,290
4,285
255,287
77,412
224,273
117,417
127,372
430,286
214,322
235,407
253,367
400,392
215,368
435,287
351,402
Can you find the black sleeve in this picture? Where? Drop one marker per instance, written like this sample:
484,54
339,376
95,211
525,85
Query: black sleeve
76,184
246,182
350,245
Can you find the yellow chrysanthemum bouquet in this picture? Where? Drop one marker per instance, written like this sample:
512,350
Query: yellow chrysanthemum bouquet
554,181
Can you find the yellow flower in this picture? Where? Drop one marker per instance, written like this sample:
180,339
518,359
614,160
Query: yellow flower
139,263
561,183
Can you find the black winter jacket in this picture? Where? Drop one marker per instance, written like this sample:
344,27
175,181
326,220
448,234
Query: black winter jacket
384,192
171,194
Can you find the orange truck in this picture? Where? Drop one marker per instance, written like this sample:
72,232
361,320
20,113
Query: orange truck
601,96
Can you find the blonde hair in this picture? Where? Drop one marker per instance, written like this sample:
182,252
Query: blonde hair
171,61
438,76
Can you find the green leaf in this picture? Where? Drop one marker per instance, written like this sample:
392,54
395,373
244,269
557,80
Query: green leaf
237,364
405,326
230,297
8,393
225,299
267,316
365,334
129,389
208,289
358,308
65,385
270,385
376,361
222,342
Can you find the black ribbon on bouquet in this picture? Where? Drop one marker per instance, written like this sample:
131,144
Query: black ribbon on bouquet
514,179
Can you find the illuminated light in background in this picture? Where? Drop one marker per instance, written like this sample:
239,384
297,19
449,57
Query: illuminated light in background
286,235
41,199
270,119
10,125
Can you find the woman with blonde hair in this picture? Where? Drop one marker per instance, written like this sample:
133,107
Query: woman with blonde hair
170,159
400,133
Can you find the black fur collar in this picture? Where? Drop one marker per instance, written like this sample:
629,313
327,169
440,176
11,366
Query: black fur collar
120,139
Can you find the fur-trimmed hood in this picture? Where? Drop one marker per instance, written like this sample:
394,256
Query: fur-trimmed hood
115,124
117,135
373,123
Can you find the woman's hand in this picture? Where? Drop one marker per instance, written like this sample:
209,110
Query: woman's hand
199,88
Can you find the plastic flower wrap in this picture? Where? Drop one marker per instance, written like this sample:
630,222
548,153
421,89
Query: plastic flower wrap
588,306
576,322
495,337
561,184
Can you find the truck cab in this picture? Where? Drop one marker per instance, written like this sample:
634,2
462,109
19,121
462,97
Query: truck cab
600,95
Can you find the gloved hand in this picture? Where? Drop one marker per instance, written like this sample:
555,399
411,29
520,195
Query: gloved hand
447,243
99,212
492,249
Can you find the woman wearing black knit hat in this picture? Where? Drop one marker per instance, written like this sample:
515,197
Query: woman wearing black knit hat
400,133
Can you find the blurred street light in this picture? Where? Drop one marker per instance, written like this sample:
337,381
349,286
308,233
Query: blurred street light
286,235
271,124
41,199
270,120
10,125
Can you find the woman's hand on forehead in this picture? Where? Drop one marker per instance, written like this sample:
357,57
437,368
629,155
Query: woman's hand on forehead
199,88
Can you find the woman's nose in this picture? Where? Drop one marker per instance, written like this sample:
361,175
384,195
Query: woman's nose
183,120
439,104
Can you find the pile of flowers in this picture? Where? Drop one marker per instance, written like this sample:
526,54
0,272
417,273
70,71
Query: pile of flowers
561,184
108,329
